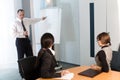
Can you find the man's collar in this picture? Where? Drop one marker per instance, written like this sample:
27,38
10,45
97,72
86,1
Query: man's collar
19,19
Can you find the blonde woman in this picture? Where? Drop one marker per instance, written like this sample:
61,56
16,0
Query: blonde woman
104,56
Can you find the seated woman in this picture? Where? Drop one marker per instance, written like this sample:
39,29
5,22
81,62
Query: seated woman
46,60
104,56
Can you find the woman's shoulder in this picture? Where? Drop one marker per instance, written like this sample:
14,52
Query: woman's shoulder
108,49
101,52
44,52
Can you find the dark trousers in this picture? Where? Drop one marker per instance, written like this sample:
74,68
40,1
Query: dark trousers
23,48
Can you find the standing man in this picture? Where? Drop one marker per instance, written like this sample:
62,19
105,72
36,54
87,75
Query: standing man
21,33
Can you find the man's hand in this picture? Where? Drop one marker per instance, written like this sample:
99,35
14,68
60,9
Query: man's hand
43,18
25,33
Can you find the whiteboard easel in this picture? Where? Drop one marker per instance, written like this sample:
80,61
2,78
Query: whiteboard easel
51,24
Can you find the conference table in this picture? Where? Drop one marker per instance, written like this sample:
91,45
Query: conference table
111,75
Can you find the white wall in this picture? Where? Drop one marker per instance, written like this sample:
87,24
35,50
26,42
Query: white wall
26,7
7,45
118,4
84,23
35,9
106,20
100,19
113,22
69,49
17,5
75,32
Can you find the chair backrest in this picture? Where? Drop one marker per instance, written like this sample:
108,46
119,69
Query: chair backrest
115,63
27,66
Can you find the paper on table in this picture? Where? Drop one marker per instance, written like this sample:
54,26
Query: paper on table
68,76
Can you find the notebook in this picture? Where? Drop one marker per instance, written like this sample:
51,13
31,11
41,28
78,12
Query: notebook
89,73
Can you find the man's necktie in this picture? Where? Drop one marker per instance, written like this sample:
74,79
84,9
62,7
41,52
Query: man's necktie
24,27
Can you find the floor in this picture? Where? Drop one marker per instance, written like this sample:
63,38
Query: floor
67,65
13,74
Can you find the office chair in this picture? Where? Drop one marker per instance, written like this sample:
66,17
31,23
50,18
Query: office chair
115,62
27,66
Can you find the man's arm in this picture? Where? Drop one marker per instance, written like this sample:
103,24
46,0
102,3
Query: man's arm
35,20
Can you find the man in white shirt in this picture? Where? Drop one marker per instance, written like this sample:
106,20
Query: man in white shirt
21,33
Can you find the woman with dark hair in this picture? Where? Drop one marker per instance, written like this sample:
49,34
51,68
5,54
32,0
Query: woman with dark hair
104,56
46,59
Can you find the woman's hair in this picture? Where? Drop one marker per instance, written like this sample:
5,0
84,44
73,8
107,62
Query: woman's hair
47,40
104,38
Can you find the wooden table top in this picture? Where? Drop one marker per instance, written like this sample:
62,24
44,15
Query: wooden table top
111,75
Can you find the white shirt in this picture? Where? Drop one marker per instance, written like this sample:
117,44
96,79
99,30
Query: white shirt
53,52
17,29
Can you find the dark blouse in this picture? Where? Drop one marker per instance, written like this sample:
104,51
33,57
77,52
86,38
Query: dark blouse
47,64
103,58
101,61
